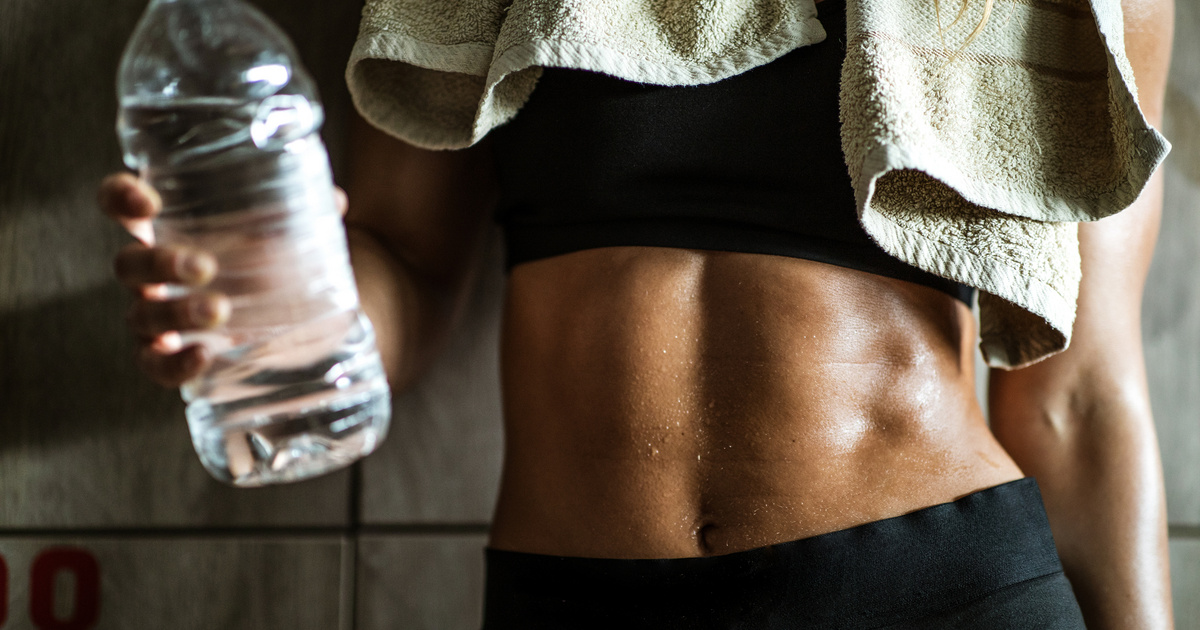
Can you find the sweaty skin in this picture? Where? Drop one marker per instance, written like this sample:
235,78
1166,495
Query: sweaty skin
666,403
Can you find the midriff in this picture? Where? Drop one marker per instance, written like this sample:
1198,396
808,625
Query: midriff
664,403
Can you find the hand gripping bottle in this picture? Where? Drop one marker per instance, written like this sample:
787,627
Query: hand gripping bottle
218,115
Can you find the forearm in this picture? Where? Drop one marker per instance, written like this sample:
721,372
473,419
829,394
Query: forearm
1097,463
412,317
389,298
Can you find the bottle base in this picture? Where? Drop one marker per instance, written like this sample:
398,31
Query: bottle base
288,444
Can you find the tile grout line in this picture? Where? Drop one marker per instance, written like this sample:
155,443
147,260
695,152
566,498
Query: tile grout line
350,566
1183,531
214,532
355,521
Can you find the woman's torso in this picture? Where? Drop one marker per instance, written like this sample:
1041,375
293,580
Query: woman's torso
683,401
670,402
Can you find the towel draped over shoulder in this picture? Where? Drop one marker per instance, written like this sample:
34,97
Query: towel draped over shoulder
974,163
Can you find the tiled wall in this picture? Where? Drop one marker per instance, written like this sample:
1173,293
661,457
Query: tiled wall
108,521
1172,318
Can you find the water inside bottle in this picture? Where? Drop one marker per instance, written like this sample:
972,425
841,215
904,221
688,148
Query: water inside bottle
299,404
297,388
167,134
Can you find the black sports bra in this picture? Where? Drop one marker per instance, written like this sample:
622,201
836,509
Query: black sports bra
752,163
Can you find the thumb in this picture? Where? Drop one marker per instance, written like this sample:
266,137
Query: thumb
341,200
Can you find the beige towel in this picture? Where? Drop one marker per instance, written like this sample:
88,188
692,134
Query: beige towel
466,66
974,168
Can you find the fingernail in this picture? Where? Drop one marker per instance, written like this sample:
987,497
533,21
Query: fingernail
210,311
197,268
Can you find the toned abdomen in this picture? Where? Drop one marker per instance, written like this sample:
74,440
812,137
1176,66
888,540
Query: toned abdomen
670,403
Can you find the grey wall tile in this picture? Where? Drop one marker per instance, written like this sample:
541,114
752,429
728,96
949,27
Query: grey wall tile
1171,315
152,583
1185,582
420,582
1172,303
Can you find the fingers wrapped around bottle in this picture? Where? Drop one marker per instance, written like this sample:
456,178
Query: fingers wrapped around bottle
157,316
131,202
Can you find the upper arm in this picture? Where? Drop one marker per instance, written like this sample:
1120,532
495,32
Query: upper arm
1104,361
1149,27
417,224
428,208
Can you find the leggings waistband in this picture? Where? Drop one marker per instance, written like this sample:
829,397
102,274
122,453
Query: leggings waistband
907,567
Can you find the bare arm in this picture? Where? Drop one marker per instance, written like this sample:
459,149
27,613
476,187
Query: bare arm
417,225
416,233
1080,422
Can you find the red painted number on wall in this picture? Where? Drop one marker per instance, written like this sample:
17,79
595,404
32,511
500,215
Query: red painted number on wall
47,566
3,591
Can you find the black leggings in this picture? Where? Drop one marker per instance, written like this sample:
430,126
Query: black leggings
985,561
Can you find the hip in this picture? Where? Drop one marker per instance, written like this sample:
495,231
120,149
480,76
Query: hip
987,560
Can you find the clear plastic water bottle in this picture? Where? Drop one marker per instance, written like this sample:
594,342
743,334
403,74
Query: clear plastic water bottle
218,115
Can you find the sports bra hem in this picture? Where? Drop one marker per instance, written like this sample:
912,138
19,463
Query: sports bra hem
534,242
